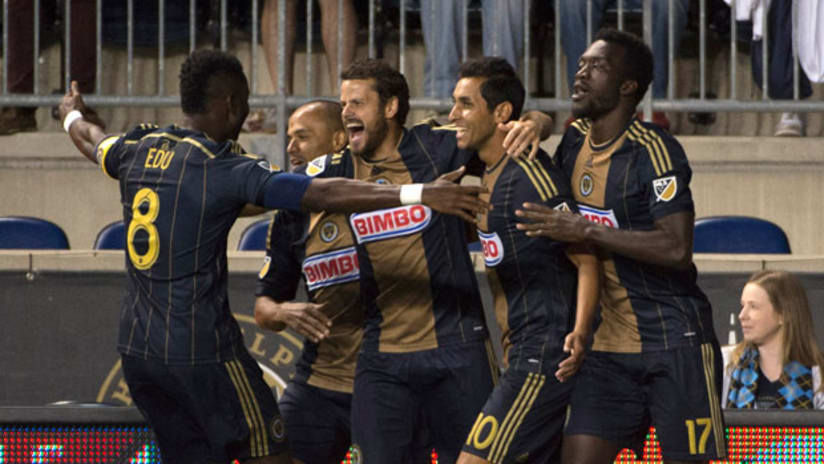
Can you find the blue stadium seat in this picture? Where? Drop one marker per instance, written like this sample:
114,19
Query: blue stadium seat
738,234
20,232
111,237
253,237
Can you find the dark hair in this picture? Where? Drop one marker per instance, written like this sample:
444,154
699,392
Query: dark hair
196,73
638,62
388,83
331,111
501,83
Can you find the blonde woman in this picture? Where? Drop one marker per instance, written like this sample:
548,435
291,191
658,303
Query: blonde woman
777,364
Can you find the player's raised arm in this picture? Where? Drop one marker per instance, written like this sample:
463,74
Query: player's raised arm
85,134
668,243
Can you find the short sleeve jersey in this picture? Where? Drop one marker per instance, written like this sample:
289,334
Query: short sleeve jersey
418,284
533,283
319,248
181,192
630,182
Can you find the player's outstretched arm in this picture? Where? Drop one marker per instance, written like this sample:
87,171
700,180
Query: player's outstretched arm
589,288
85,135
667,244
526,133
442,195
304,318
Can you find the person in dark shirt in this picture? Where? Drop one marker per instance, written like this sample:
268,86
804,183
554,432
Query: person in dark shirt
535,285
182,187
655,358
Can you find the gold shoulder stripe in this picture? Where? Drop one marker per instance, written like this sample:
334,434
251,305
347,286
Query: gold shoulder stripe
161,134
660,147
103,150
532,177
582,125
199,145
449,127
539,169
637,136
251,155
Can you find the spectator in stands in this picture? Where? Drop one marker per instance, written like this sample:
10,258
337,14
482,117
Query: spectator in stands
21,58
503,35
778,363
574,38
265,121
780,65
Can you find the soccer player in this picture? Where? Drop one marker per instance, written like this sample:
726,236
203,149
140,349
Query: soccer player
314,129
182,187
425,362
655,358
533,283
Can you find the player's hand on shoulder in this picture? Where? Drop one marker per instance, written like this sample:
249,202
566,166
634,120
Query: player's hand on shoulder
544,221
521,137
446,196
575,344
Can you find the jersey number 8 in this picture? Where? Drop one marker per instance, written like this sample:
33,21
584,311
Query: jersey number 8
145,222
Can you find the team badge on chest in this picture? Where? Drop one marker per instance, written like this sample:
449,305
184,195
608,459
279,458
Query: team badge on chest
665,188
328,231
586,184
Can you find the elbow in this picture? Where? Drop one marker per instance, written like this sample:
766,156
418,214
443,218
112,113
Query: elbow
680,258
260,313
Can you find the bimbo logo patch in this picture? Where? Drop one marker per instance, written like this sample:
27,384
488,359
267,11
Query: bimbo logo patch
332,268
599,216
388,223
492,247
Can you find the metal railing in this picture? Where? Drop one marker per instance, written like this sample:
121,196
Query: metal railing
284,102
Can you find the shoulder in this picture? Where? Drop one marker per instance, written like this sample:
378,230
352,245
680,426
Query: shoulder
430,133
329,165
541,175
662,152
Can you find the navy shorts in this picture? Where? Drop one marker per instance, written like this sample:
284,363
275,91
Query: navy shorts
439,391
617,396
318,422
212,412
523,419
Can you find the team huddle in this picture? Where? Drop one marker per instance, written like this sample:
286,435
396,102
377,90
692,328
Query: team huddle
397,358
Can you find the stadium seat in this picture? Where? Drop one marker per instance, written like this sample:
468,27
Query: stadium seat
20,232
111,237
738,234
253,237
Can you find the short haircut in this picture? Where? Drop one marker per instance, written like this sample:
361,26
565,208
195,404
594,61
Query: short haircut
638,61
330,111
388,83
196,73
501,82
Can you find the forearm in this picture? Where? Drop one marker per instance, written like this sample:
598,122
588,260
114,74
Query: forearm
542,120
345,195
589,288
86,136
267,314
653,246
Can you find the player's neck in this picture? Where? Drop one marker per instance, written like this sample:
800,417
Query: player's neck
608,126
201,123
493,149
388,146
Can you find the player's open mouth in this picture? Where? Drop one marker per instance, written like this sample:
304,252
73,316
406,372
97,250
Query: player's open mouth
354,131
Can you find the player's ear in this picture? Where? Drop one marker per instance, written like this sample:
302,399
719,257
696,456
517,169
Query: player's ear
390,109
338,140
502,112
628,88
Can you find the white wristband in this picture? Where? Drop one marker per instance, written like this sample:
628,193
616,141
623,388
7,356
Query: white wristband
70,118
411,194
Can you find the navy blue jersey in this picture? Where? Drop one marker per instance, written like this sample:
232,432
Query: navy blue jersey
181,192
628,183
318,247
418,284
533,283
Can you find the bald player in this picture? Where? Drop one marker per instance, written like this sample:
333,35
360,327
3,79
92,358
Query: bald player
319,248
315,129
